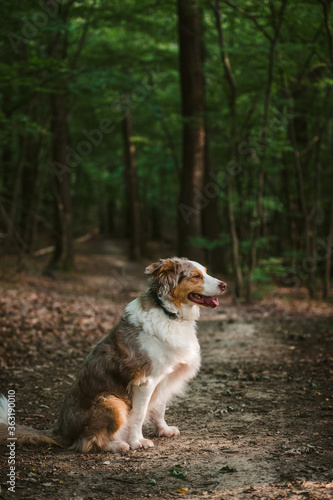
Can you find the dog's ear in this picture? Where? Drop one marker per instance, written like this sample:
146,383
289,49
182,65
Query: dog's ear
153,268
165,274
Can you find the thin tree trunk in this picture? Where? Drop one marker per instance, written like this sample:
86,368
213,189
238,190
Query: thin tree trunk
132,190
327,277
238,277
309,216
191,199
301,194
326,11
31,177
211,227
170,142
291,239
38,190
211,223
17,240
63,256
258,220
311,280
328,261
16,192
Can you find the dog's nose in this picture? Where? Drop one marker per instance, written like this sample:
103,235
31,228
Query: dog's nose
222,285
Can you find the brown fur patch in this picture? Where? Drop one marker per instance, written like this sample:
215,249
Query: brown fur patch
138,379
117,406
165,274
161,266
108,414
27,435
168,266
188,285
95,443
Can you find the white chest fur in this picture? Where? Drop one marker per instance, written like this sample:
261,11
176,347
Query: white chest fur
169,343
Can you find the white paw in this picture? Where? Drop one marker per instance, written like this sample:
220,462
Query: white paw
115,446
141,443
168,431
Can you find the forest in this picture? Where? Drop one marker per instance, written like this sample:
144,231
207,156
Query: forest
205,126
138,130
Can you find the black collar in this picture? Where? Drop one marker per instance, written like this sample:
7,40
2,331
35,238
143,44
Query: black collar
159,303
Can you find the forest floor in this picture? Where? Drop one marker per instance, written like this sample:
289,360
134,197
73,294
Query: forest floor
256,423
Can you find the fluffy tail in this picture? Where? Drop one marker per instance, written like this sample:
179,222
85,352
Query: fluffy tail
23,434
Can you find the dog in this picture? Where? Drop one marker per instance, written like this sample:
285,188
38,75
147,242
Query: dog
129,376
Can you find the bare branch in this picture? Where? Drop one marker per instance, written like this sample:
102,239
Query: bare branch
251,16
326,9
83,36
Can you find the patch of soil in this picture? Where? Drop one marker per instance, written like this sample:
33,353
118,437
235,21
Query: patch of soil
256,423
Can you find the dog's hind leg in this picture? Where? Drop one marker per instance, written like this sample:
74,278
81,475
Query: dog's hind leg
109,414
117,445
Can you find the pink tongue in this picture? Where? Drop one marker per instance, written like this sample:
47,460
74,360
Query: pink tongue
211,302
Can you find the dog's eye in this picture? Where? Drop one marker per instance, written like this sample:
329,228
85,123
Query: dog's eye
197,277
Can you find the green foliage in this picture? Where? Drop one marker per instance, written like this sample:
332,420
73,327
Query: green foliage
227,470
128,48
269,269
178,471
223,241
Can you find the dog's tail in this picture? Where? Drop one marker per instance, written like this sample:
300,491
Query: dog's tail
24,435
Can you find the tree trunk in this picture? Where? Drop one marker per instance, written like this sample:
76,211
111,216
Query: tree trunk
238,277
328,261
132,191
16,193
30,179
211,227
211,223
258,218
191,199
326,11
63,256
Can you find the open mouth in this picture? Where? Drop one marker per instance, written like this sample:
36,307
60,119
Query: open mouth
204,300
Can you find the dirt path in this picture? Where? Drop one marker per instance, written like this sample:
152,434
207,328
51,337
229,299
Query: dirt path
256,423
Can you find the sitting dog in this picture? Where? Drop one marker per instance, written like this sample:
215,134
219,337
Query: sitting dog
130,374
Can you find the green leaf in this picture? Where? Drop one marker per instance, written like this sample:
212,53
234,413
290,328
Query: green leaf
178,471
226,469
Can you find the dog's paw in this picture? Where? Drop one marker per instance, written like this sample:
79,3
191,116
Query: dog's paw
141,443
168,431
115,446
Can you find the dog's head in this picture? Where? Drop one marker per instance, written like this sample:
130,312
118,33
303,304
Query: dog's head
184,281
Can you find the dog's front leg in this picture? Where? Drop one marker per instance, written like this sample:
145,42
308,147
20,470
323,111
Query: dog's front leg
162,428
140,400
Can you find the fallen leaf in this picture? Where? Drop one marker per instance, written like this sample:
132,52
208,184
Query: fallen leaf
182,490
226,469
178,471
